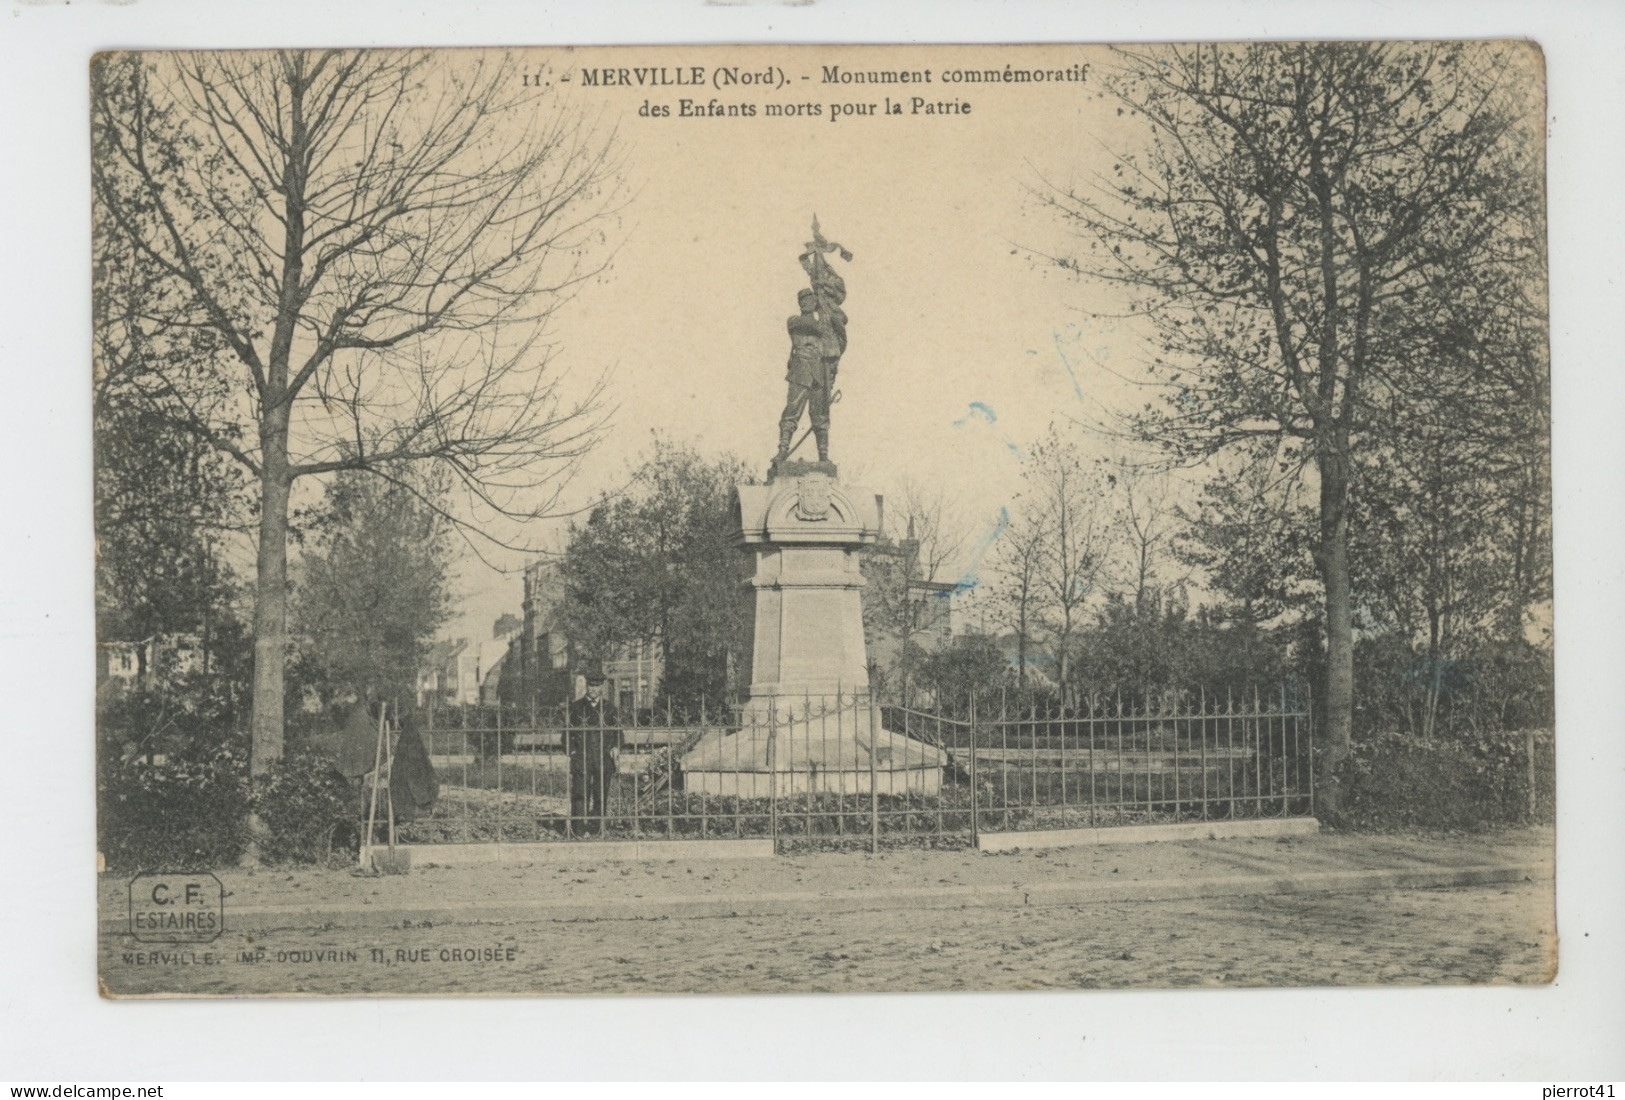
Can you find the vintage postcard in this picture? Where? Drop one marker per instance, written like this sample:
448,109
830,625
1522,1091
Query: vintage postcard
766,519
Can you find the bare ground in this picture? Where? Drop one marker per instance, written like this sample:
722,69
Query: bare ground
1496,934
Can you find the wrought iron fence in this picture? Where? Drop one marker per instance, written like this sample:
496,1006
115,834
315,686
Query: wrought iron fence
1106,763
843,771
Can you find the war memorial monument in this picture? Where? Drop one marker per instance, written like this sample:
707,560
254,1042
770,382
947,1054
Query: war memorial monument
810,722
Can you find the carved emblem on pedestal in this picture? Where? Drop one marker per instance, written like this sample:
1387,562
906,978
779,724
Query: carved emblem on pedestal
812,502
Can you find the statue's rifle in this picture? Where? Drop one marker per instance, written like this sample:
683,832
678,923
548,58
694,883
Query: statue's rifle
834,399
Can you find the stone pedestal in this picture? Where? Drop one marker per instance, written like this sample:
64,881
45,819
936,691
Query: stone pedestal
806,532
809,724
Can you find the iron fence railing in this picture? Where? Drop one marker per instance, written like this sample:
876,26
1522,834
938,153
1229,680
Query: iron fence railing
1107,763
843,771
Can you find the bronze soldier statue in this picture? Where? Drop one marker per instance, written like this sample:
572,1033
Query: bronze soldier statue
817,342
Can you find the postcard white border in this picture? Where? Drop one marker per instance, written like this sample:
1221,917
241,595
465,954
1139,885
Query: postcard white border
56,1029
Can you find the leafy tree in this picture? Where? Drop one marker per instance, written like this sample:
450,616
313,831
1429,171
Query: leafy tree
373,585
659,565
1318,234
1251,535
370,244
973,667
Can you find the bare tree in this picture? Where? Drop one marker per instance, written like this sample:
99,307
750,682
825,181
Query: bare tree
1146,523
898,604
1065,499
1311,230
374,242
1018,558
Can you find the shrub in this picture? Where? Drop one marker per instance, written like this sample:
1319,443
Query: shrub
188,812
1394,780
1488,686
308,809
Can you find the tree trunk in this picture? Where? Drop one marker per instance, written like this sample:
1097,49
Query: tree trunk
1061,665
1435,673
1332,556
271,580
271,597
1021,650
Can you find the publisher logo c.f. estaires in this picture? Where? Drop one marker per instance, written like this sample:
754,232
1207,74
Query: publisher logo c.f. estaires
177,907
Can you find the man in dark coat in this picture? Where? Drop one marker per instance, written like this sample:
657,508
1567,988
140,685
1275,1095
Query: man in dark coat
592,737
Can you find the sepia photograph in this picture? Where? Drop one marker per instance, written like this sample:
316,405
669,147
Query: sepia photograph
763,541
836,519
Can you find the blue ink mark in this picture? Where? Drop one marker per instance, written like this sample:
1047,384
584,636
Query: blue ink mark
1067,363
977,411
983,412
969,579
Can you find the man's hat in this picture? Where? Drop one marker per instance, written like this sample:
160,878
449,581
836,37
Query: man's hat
595,675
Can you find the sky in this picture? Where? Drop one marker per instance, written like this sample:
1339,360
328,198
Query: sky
966,343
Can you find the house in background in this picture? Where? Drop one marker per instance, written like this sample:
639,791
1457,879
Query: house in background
504,639
634,675
454,671
539,666
150,664
905,614
119,664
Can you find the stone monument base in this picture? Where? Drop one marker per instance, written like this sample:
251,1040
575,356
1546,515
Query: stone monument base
784,469
826,752
809,726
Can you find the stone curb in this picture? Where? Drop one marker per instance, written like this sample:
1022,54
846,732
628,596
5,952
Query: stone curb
584,852
603,852
1039,839
266,918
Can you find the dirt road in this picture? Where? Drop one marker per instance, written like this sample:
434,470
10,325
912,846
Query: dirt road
1475,935
1501,933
